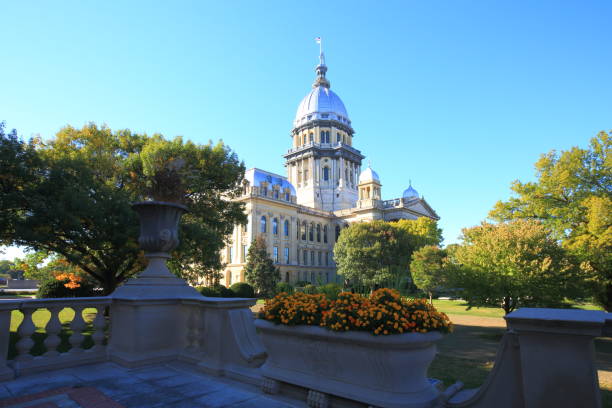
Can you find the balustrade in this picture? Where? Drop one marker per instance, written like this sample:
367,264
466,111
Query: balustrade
54,353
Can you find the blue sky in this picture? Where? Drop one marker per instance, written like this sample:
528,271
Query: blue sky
460,96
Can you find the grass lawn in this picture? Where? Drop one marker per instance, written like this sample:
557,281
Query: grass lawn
459,307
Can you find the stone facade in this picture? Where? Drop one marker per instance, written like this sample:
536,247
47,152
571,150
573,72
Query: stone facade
300,216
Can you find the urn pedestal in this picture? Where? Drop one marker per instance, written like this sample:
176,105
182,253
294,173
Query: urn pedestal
148,316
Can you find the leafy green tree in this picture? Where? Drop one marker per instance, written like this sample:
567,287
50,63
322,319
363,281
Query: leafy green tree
378,253
259,270
573,197
518,263
421,232
71,196
429,269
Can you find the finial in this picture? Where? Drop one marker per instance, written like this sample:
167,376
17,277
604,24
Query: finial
321,68
370,163
409,182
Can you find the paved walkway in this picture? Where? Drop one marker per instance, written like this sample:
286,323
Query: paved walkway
172,385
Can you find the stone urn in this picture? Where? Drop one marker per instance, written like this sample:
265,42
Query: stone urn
159,222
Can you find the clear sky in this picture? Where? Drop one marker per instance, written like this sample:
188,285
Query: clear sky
460,96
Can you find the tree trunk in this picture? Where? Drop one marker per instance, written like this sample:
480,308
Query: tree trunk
430,298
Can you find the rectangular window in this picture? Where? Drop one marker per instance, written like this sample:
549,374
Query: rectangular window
305,253
286,255
275,254
244,254
320,261
327,259
231,255
312,258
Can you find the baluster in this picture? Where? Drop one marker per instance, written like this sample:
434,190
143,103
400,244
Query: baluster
54,328
77,325
25,331
98,326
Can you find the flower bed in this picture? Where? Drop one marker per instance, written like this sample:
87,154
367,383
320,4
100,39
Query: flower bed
383,313
344,347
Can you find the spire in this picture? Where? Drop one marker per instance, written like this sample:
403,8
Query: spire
321,69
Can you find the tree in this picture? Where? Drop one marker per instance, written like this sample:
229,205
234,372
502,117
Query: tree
518,263
429,269
259,270
573,197
71,196
378,253
422,231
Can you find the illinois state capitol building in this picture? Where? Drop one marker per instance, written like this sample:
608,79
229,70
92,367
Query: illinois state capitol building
300,216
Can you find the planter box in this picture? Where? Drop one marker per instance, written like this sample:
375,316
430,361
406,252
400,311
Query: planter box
383,371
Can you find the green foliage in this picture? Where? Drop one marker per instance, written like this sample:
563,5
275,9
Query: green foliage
429,268
301,284
216,291
53,288
242,290
330,290
71,196
512,264
573,197
378,253
259,270
283,287
310,289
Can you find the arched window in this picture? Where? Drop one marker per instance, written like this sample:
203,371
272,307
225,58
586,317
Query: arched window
311,232
304,227
276,194
311,137
312,277
263,223
325,234
338,138
287,197
275,226
337,232
325,173
297,229
264,191
318,232
287,277
286,228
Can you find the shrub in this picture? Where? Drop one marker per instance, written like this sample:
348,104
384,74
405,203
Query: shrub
56,288
283,287
310,289
330,290
301,284
215,291
383,313
242,290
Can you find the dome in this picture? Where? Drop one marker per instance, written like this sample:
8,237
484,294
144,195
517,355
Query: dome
256,176
368,175
321,103
410,192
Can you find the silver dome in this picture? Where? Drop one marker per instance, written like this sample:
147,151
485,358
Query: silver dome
410,193
368,175
321,104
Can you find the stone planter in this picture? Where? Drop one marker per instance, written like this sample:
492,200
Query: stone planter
382,371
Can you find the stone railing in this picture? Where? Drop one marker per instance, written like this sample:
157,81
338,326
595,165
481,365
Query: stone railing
89,315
